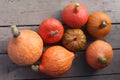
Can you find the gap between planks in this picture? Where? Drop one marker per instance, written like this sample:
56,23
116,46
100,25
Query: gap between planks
28,25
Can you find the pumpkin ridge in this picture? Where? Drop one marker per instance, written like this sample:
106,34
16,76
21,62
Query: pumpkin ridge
97,24
77,37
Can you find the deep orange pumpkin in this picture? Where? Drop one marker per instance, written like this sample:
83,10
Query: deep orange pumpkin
99,54
74,39
99,24
56,61
51,30
75,15
25,47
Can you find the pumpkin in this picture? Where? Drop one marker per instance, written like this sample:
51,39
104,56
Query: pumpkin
25,47
75,15
99,54
74,39
56,61
51,30
99,24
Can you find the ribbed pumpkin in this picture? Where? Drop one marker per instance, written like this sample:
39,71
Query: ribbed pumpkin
99,24
99,54
51,30
75,15
56,61
25,47
74,39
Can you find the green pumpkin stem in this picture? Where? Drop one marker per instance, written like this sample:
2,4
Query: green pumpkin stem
103,24
102,59
35,67
76,6
15,31
53,33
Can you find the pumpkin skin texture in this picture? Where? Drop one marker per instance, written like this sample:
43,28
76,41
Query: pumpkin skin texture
25,48
74,39
75,15
99,54
99,24
56,61
51,30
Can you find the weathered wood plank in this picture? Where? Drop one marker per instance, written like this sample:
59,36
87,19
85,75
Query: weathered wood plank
101,77
112,37
4,61
30,12
3,72
78,69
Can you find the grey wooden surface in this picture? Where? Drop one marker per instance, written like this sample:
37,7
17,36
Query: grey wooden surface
28,14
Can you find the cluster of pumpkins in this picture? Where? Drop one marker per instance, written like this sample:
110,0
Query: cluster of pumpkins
26,46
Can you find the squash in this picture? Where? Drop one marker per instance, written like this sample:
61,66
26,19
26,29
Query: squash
75,15
74,39
56,61
51,30
99,24
99,54
25,47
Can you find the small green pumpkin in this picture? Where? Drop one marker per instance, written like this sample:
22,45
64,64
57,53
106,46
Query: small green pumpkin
74,39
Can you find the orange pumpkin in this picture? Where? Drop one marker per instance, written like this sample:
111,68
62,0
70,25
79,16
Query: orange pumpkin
99,54
74,39
75,15
99,24
25,47
51,30
56,61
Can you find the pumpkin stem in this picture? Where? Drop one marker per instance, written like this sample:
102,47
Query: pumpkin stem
53,33
15,31
72,39
35,67
102,59
76,6
103,24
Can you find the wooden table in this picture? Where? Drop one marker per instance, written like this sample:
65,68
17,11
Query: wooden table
28,14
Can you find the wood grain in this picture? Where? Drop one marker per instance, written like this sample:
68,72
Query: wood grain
31,12
79,68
